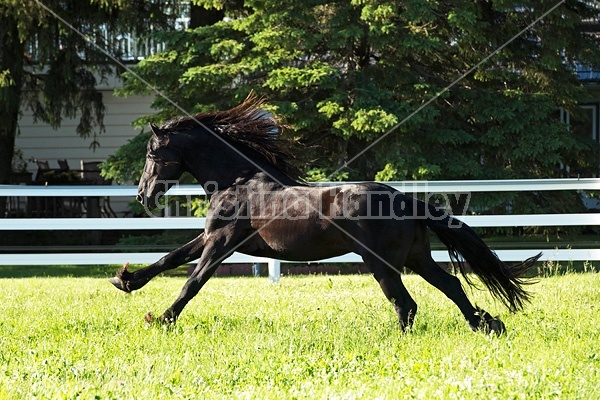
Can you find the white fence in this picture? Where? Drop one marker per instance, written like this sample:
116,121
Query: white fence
14,224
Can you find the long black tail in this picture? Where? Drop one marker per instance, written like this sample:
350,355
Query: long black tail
506,283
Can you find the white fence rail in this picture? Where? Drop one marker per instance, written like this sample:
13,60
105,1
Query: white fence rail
24,224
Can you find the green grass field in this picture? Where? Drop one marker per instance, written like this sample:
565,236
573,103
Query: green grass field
311,337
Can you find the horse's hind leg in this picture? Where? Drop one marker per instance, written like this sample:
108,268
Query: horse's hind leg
129,281
391,283
421,262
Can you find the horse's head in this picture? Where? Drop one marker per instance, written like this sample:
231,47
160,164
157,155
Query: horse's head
163,168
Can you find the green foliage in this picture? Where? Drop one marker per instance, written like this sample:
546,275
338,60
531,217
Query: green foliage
324,175
127,163
347,74
199,207
327,337
388,173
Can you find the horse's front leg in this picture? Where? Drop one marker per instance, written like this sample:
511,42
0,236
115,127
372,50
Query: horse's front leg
211,258
129,281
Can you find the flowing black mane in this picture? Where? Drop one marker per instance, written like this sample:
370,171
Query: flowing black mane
249,125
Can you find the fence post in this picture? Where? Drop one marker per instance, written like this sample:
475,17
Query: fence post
274,270
256,269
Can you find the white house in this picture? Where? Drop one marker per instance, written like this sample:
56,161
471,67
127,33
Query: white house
39,141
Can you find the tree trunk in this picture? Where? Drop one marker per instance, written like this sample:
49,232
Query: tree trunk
11,79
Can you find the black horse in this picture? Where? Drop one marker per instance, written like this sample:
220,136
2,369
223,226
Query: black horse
258,207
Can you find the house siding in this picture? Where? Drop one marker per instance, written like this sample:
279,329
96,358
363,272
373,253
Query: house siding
40,141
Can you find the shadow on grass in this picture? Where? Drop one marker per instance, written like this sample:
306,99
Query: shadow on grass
75,271
30,271
544,269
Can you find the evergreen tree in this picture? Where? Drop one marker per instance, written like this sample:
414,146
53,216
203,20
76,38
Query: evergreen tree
346,73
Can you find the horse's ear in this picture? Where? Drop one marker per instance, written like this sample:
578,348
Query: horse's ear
156,130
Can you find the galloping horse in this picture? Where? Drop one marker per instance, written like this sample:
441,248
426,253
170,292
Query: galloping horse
258,207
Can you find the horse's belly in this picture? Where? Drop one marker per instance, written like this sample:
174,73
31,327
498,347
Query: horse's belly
295,241
294,255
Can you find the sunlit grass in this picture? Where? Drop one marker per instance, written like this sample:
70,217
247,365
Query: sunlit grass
306,337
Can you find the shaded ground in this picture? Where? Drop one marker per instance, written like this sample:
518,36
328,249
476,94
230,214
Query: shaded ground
107,271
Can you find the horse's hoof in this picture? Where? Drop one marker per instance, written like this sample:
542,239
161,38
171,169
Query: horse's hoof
168,318
119,279
495,326
162,320
149,318
118,283
492,326
488,324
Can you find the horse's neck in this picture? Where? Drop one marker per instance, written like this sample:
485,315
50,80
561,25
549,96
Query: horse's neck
225,167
